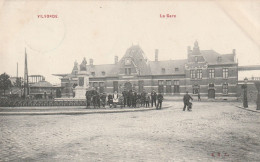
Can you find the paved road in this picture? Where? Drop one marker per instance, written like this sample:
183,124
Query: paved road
211,132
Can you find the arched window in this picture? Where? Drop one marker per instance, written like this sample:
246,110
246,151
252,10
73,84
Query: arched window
196,89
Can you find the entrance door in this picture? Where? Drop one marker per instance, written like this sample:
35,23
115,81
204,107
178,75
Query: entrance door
128,86
211,93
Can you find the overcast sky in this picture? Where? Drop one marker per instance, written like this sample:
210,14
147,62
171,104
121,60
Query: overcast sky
101,30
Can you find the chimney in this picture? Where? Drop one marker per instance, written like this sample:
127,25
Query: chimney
91,62
116,59
156,54
234,53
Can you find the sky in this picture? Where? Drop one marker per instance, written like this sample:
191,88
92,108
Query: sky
100,30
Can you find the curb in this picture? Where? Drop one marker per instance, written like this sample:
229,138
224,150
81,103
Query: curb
247,109
79,112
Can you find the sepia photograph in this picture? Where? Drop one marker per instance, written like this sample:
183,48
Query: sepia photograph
130,80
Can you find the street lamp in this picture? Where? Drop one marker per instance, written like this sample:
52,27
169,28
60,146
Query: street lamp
244,86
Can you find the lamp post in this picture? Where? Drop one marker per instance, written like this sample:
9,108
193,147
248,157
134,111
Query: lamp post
244,86
257,84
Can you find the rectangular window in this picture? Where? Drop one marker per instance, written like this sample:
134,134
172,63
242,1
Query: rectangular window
225,88
225,72
176,84
199,74
160,86
127,71
101,87
93,73
211,73
95,85
163,70
192,74
115,86
168,86
91,84
141,86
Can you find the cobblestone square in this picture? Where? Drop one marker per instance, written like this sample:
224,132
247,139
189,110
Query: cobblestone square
213,131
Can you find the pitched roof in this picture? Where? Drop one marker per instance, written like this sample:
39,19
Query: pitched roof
211,57
109,69
170,67
138,58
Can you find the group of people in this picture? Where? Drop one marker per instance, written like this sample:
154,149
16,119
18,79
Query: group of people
131,99
127,99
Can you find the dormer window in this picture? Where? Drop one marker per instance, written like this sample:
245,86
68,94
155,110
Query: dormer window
176,69
163,70
127,71
103,73
127,61
93,73
196,58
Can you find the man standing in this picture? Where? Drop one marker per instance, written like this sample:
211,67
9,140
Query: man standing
143,95
103,99
134,97
199,96
186,100
124,93
160,99
153,95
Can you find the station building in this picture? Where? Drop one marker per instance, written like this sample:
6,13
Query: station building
204,71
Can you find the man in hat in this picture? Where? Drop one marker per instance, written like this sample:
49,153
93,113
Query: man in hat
159,102
153,96
186,100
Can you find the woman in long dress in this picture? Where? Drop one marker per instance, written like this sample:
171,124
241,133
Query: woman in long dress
115,98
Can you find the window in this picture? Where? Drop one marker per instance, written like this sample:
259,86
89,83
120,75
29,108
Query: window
95,85
211,73
101,87
196,58
128,61
93,73
168,86
160,86
225,73
199,74
127,71
163,70
196,89
219,59
103,73
176,88
176,69
225,88
192,74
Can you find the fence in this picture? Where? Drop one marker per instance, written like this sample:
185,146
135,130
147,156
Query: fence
7,102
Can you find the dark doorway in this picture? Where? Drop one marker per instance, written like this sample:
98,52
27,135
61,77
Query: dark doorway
128,86
211,93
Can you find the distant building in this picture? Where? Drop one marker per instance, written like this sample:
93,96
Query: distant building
44,90
204,71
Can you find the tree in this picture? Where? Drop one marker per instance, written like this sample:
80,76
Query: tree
5,82
18,82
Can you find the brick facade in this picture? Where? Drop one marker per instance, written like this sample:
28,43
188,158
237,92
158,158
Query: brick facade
204,71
